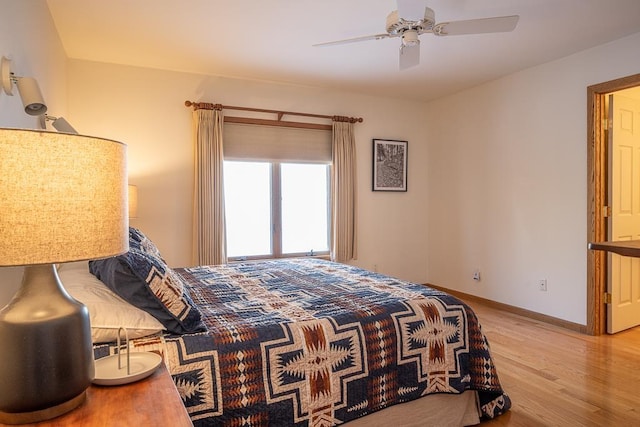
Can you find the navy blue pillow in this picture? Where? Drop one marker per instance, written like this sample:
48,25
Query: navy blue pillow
137,240
145,281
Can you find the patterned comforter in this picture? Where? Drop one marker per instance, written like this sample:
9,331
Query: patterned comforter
308,342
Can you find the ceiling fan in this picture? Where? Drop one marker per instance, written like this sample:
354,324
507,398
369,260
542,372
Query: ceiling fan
414,18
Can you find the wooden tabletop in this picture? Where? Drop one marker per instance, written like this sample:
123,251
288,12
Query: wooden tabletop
621,247
153,401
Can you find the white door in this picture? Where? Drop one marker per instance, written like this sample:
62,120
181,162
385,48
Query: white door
624,198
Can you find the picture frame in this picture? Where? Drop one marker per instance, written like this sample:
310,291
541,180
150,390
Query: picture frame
390,161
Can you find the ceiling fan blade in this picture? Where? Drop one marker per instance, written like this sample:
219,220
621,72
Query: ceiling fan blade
409,56
354,40
498,24
411,10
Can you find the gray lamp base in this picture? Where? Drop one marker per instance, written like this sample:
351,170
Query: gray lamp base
43,414
47,354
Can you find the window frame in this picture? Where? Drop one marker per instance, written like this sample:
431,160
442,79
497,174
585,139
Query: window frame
276,214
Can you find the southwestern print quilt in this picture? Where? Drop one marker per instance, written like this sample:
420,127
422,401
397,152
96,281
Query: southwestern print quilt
307,342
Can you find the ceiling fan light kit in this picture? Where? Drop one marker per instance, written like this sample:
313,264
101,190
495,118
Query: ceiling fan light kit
397,26
413,18
410,38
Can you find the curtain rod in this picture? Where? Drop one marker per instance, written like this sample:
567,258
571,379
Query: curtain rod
210,106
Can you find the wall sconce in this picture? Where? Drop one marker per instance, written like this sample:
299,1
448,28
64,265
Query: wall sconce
27,87
59,123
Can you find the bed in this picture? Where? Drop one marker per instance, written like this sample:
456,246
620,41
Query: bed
297,342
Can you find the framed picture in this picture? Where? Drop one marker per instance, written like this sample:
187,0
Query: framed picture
389,165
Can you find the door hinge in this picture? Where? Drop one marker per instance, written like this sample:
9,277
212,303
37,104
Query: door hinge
606,211
607,298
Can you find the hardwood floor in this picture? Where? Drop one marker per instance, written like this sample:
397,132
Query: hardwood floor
557,377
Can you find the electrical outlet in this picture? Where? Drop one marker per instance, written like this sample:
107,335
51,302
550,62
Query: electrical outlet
476,275
542,284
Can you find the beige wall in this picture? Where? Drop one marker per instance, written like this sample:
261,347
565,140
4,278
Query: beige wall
497,173
507,173
145,109
28,37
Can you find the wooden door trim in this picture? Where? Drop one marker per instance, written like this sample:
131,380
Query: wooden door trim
597,199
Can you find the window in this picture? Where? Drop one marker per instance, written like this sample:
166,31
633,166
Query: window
247,200
276,209
304,206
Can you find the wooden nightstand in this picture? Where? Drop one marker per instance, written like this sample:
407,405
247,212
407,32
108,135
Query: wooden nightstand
153,401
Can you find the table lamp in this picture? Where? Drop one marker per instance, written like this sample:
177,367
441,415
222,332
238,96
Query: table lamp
63,198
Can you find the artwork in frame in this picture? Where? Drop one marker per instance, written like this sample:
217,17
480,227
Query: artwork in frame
390,165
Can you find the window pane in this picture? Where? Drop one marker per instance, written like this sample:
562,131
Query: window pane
304,207
247,193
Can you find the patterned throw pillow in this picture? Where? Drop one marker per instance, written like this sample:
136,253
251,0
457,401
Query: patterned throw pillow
137,240
142,278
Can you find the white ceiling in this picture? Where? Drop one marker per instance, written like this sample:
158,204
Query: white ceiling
272,39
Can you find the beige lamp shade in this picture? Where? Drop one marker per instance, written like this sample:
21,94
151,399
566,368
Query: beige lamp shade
63,197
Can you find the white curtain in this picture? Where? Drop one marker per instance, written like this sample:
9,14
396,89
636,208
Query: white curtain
343,193
208,201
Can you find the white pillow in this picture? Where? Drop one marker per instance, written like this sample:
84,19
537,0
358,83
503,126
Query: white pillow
107,310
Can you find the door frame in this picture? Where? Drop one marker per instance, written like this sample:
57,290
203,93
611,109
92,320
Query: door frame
597,171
